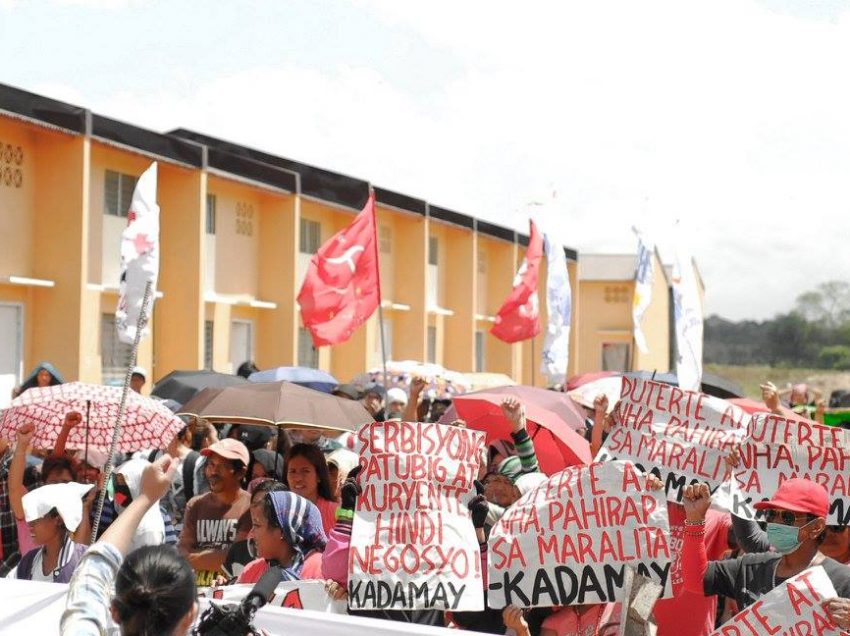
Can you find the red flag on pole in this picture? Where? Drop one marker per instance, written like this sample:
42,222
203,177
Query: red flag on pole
519,317
341,288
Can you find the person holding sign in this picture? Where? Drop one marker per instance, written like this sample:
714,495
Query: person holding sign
796,522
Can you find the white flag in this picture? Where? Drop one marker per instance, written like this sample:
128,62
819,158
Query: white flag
139,258
688,313
643,287
556,344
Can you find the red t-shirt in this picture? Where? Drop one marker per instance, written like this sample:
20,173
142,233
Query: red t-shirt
688,614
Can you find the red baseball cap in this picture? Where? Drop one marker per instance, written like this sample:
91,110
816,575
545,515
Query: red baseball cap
229,448
798,495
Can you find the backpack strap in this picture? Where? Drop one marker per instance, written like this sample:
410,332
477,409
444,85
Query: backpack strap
25,564
189,474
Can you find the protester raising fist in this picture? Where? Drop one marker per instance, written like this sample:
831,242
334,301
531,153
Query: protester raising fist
696,500
514,411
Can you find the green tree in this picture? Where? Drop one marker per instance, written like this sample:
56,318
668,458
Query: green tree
828,304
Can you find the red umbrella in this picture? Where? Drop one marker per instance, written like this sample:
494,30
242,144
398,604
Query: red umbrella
577,380
552,419
147,423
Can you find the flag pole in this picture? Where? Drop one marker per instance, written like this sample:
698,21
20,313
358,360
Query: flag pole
533,365
380,297
119,420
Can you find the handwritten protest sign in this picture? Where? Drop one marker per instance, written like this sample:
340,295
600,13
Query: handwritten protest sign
795,607
682,436
568,541
413,545
777,448
309,595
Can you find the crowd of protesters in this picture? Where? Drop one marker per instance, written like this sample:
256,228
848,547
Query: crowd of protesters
223,503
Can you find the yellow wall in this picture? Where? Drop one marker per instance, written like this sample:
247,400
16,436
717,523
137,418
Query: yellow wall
179,329
460,280
18,161
276,334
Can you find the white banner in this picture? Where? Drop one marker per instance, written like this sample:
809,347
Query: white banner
567,542
310,595
556,344
139,257
795,607
31,607
682,436
644,269
777,448
413,545
687,307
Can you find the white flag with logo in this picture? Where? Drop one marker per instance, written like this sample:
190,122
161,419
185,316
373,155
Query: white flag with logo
139,258
688,312
643,287
556,344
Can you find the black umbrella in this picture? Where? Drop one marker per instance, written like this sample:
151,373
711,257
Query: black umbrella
711,384
182,386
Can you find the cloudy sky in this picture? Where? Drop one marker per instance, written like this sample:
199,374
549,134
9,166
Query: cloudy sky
730,115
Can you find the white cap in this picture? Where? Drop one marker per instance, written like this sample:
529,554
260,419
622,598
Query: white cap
396,394
140,371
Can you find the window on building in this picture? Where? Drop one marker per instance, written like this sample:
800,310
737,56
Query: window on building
616,356
432,345
479,352
433,250
114,354
310,238
308,355
208,345
211,201
118,192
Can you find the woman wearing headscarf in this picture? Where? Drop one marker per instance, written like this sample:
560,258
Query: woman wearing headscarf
45,374
52,513
287,531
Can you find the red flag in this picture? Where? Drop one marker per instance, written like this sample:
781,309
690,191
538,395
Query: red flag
519,317
341,288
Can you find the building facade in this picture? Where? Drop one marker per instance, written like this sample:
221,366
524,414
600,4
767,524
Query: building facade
238,227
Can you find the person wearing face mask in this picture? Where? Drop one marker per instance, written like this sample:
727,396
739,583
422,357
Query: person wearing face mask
155,527
796,523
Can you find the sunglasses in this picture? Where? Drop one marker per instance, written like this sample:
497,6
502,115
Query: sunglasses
785,517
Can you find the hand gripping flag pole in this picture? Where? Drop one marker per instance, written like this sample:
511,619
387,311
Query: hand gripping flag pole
119,420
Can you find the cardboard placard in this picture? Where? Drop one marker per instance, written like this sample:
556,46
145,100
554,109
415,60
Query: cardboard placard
568,541
682,436
413,545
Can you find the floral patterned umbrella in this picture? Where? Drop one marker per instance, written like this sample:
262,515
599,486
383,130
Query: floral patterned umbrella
147,423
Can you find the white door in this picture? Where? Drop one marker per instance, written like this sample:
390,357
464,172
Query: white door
11,350
241,343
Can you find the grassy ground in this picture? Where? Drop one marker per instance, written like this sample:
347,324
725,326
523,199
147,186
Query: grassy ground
749,377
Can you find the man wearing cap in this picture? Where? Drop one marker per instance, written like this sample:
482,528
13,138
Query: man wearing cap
138,378
373,400
216,519
796,523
